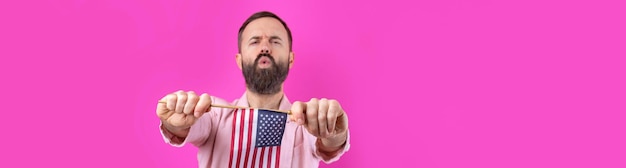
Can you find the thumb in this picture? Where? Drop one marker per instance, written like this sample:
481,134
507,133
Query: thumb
297,112
162,110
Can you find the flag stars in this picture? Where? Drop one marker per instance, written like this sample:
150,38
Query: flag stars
270,128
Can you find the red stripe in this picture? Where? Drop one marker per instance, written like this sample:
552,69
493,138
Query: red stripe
261,157
269,157
232,140
240,138
253,157
245,162
277,156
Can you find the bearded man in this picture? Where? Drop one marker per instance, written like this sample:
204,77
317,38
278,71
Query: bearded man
315,131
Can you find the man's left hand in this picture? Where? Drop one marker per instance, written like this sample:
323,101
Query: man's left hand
323,118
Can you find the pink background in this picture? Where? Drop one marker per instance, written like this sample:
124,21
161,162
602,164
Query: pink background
435,83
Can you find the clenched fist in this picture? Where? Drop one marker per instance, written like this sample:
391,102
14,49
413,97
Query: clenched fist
323,118
179,110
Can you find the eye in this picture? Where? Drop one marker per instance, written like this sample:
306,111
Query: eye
254,42
276,42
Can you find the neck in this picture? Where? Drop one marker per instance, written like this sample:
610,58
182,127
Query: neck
271,101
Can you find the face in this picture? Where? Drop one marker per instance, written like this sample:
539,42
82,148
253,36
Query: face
265,58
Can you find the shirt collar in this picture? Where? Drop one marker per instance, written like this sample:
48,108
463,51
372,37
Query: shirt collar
284,102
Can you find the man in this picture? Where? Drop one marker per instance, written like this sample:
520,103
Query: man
316,130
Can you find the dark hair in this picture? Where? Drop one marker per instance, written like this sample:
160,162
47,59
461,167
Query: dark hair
256,16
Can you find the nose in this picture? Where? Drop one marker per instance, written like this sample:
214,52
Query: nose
265,48
265,51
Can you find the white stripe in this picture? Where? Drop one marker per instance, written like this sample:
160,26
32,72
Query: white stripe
266,157
236,142
244,145
273,157
253,139
258,157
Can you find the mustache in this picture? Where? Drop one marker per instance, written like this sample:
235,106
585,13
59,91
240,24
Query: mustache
261,55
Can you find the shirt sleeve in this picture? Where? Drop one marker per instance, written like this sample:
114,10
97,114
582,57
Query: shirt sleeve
199,131
332,157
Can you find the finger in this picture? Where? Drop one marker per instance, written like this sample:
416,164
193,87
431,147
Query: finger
311,117
321,118
333,111
204,105
171,101
180,102
175,120
297,112
192,100
181,120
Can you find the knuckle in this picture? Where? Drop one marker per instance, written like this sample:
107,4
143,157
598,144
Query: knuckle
332,113
324,103
331,120
312,104
312,114
334,104
182,97
193,98
171,96
321,119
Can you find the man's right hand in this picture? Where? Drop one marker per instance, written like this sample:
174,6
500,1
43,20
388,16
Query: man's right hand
179,110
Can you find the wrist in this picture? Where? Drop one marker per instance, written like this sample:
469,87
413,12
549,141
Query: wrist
332,144
179,132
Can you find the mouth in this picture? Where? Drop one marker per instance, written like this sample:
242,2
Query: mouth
264,62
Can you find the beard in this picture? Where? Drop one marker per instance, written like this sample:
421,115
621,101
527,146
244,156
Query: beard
265,81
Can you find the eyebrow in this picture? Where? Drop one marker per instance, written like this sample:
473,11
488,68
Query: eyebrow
275,38
259,37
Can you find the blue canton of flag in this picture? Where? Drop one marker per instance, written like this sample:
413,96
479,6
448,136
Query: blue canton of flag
270,128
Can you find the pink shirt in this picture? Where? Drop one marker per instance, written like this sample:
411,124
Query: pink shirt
212,135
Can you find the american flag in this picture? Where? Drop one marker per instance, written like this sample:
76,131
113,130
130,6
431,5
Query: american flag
256,138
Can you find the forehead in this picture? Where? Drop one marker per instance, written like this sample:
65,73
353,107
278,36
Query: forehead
264,26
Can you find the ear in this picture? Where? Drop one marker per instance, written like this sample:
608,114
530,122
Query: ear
291,56
238,59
